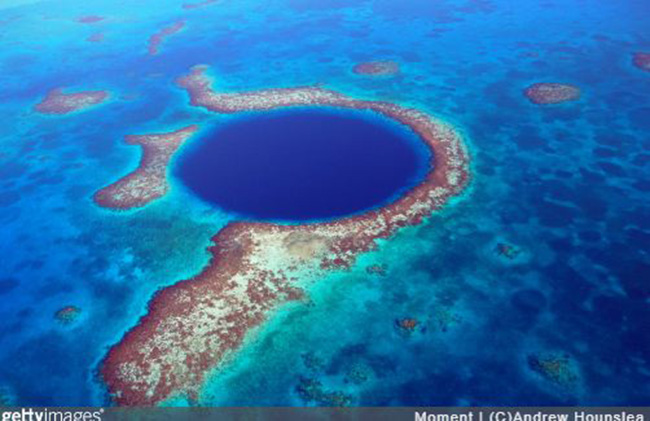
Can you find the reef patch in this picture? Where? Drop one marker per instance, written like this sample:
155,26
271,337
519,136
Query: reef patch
551,93
67,315
149,181
192,327
7,397
506,250
378,269
90,19
197,5
157,39
557,368
96,37
406,326
312,391
58,102
377,68
642,61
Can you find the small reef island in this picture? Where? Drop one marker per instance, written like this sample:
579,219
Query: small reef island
192,327
552,93
377,68
159,37
58,102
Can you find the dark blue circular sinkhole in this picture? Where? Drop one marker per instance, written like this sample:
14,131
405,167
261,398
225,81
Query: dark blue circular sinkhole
303,164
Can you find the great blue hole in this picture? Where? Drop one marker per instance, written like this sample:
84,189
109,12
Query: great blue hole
303,164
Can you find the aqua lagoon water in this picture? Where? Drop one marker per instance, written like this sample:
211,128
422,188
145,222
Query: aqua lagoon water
568,185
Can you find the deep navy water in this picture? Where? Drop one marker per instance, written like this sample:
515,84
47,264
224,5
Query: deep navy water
568,185
303,165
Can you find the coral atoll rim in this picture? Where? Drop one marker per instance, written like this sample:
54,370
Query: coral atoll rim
193,326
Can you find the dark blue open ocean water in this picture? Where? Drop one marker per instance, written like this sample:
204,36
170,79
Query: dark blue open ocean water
303,165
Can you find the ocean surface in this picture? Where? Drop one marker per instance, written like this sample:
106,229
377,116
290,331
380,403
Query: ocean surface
533,288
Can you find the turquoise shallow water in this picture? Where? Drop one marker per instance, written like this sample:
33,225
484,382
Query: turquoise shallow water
566,185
